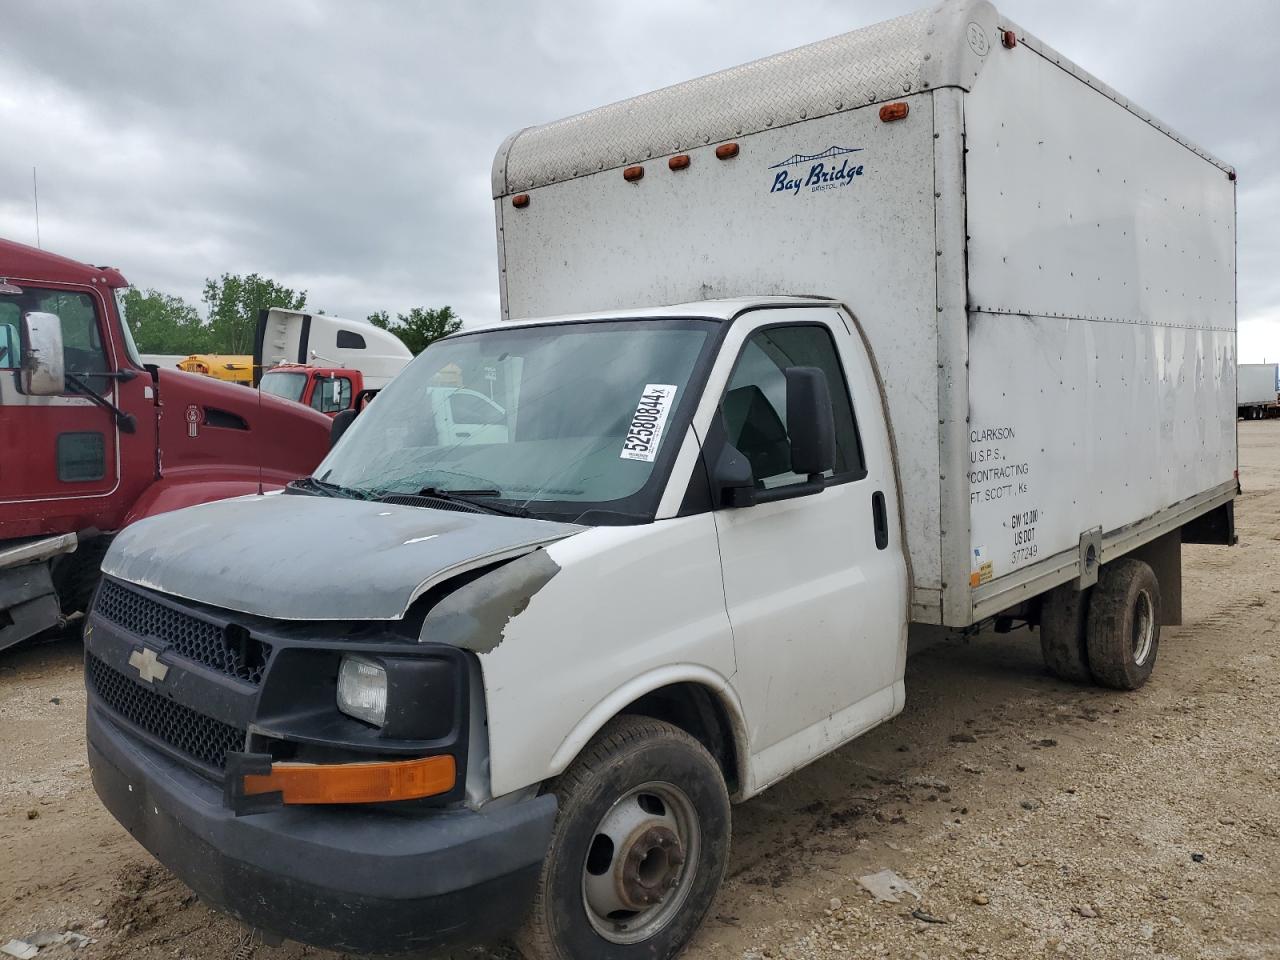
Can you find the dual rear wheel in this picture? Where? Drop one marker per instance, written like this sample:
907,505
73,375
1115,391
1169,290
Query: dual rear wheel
1108,634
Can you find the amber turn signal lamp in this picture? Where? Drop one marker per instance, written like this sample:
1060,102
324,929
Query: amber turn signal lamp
632,174
1009,39
726,151
893,111
679,162
520,201
375,782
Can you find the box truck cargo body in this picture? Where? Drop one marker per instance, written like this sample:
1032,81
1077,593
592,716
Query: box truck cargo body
918,325
1257,390
1046,274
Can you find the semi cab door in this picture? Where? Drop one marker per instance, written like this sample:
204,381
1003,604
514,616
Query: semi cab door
73,467
816,585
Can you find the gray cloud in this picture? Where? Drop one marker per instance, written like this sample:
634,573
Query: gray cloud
345,148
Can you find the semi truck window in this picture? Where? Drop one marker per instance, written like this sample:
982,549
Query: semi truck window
9,326
350,340
332,395
754,408
287,385
82,347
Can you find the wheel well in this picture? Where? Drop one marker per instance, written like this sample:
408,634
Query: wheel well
700,713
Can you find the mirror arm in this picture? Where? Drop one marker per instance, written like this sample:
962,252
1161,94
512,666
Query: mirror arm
125,421
815,484
124,376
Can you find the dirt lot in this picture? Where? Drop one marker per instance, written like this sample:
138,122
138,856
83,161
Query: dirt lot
1036,819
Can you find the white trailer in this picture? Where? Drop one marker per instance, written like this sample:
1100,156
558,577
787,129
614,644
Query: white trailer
320,340
921,324
1045,273
1257,392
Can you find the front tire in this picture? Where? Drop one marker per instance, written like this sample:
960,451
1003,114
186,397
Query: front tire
1123,631
639,848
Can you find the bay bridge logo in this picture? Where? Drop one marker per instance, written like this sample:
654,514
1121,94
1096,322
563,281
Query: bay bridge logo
822,171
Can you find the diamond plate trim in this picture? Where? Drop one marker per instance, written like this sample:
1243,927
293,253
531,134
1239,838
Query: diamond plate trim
876,63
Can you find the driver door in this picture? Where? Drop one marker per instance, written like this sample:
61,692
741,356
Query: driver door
68,447
815,585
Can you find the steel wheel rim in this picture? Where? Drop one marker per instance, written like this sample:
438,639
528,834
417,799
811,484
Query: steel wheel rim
651,840
1144,628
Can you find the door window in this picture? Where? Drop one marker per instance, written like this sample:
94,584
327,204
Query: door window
332,394
754,408
9,326
82,348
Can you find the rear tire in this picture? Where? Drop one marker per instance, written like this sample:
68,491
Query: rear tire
1123,630
1063,617
638,851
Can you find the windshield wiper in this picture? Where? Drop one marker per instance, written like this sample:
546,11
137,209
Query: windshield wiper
469,497
312,485
127,422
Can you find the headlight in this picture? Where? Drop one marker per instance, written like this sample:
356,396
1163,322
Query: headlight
362,690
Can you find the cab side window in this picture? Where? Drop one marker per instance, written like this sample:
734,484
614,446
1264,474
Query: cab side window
82,347
754,408
332,395
9,344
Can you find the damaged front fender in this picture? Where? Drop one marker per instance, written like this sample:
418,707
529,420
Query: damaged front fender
475,616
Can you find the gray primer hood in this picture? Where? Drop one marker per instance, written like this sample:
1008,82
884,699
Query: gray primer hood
315,558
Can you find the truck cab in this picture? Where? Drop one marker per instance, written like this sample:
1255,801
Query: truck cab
105,440
329,390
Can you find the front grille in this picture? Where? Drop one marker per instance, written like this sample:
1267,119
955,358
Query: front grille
190,636
202,738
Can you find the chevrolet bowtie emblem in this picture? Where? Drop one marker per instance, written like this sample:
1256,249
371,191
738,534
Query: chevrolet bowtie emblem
148,665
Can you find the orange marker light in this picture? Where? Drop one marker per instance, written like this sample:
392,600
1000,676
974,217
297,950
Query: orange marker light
894,111
520,201
1009,39
374,782
726,151
632,174
679,162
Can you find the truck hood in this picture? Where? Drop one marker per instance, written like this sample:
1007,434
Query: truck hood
315,558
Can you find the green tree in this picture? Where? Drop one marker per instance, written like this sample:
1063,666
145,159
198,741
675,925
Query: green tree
234,303
420,327
161,323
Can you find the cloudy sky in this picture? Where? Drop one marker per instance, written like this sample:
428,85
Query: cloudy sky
344,147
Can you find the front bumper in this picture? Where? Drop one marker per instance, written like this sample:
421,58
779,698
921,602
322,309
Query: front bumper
368,881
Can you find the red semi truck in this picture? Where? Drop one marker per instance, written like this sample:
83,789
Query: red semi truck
94,440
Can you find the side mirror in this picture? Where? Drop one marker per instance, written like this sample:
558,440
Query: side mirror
810,421
339,426
732,480
43,374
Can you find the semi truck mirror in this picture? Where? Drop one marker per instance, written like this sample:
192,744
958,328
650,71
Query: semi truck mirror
810,421
43,372
339,426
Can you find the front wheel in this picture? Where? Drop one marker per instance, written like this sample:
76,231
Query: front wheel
638,851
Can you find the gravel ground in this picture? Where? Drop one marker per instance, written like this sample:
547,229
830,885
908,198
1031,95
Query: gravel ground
1034,818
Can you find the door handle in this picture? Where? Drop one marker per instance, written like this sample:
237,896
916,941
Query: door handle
880,520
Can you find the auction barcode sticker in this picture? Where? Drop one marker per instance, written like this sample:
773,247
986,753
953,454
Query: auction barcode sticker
647,423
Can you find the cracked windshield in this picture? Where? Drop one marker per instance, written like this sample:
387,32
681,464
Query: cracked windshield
562,412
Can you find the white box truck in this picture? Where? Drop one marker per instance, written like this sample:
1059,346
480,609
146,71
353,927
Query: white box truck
918,325
1257,390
